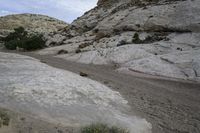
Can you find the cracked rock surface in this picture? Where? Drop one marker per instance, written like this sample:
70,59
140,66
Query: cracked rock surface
154,37
58,96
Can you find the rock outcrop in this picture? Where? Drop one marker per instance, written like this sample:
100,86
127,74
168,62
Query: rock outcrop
156,37
159,37
62,97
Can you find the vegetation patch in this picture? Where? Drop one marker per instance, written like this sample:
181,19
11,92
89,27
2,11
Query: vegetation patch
4,118
121,43
62,51
81,46
1,38
136,39
78,51
148,39
102,128
21,39
95,30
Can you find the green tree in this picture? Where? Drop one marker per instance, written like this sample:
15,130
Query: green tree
20,38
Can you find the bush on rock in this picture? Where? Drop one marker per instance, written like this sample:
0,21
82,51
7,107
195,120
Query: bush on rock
20,39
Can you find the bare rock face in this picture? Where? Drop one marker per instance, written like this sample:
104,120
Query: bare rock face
156,37
62,97
159,37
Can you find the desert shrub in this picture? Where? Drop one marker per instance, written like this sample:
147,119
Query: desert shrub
154,38
18,34
62,51
179,49
11,45
148,39
78,51
154,1
95,30
1,38
4,119
138,25
102,128
127,28
52,44
116,31
32,43
136,38
20,38
121,43
84,45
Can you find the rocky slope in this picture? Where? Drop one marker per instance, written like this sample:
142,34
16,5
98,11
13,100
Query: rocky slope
62,97
159,37
31,22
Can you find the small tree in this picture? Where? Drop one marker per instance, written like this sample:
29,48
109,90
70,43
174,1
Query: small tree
32,43
11,45
20,38
18,34
136,38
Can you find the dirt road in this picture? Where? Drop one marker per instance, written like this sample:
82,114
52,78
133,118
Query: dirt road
172,106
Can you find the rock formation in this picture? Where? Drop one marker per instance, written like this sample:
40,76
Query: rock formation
58,96
159,37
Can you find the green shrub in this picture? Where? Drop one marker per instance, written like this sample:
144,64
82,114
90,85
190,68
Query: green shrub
32,43
148,39
11,45
62,51
20,38
18,34
1,38
136,39
95,30
121,43
78,51
4,119
102,128
81,46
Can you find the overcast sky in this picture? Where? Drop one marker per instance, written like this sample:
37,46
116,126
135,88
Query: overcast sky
66,10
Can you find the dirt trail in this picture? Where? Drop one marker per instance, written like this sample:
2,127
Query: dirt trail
172,106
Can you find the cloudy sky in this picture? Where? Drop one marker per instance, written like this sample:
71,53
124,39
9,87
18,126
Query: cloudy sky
66,10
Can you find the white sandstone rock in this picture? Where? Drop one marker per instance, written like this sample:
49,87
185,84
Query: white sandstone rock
28,86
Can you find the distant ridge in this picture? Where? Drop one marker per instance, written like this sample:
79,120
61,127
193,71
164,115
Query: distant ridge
32,22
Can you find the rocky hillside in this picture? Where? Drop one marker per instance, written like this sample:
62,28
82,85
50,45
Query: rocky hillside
158,37
31,22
